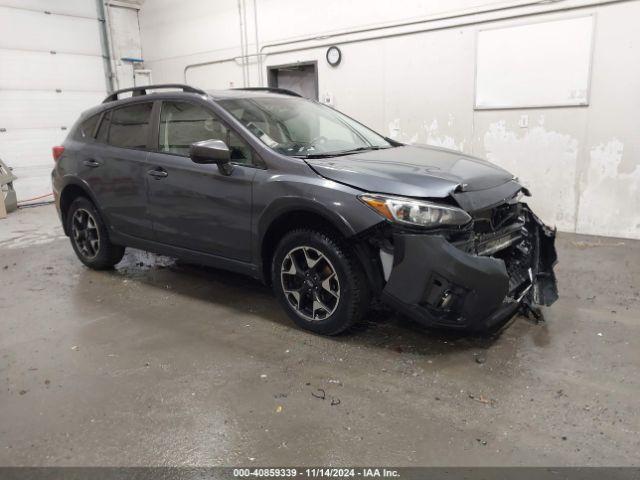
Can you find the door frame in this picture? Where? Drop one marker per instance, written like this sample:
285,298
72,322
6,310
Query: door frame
272,73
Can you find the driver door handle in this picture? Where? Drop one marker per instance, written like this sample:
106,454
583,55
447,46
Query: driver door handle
158,173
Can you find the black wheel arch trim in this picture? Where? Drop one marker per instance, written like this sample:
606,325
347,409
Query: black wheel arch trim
284,206
70,182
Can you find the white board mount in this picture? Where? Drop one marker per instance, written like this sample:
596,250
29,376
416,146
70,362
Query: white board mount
541,64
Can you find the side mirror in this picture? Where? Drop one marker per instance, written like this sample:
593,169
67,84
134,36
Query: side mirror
212,151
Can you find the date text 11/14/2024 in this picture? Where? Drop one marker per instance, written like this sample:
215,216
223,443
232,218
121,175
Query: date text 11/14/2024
318,472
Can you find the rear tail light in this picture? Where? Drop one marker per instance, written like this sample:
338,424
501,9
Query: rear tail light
57,152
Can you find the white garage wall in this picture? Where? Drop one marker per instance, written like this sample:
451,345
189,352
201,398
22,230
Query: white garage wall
51,69
581,163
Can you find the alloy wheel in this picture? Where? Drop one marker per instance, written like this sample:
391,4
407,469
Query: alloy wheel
85,233
310,283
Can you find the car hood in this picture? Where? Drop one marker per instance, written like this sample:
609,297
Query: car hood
412,171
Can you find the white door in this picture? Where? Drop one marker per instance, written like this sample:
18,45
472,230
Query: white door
51,69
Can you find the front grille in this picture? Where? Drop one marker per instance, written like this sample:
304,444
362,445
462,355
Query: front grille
490,243
497,228
495,219
501,232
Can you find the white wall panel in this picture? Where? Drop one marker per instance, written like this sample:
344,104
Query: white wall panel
43,109
32,182
214,77
609,181
184,28
27,30
30,148
28,152
43,71
85,8
32,112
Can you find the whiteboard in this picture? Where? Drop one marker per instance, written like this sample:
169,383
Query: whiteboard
542,64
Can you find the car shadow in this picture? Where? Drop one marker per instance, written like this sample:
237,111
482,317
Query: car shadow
381,328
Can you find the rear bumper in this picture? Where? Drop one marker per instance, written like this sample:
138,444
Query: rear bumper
438,284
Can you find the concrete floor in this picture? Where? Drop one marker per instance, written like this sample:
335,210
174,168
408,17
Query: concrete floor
160,363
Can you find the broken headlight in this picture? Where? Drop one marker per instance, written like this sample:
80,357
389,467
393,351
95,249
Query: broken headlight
415,212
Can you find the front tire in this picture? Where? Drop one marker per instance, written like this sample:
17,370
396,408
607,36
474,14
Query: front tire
89,236
319,281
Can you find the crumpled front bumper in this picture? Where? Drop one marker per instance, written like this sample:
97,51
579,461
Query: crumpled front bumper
438,284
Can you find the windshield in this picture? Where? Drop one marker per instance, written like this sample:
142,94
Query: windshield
301,128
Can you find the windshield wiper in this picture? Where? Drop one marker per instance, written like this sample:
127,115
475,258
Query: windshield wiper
341,153
363,149
316,155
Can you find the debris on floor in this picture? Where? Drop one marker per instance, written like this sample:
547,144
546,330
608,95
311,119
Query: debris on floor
482,399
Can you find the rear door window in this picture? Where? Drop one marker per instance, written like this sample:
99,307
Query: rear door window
130,126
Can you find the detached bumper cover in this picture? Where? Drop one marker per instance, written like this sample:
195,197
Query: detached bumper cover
439,284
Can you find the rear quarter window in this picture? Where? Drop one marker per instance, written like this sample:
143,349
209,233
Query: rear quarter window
86,130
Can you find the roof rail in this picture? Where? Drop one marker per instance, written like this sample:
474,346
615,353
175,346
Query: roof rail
282,91
142,90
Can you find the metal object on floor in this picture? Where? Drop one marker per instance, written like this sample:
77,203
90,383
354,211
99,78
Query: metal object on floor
8,199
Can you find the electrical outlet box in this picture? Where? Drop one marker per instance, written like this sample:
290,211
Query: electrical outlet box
524,121
327,99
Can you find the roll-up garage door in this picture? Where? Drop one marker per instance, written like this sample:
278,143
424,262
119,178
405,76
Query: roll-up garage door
51,69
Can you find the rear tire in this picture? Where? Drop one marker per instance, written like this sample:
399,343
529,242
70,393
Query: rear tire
319,281
89,236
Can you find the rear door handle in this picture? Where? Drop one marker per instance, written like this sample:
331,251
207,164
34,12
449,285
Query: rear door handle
158,173
91,163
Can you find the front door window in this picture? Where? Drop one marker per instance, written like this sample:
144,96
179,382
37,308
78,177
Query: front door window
183,123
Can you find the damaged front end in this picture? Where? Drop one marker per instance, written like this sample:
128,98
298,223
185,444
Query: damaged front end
476,278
